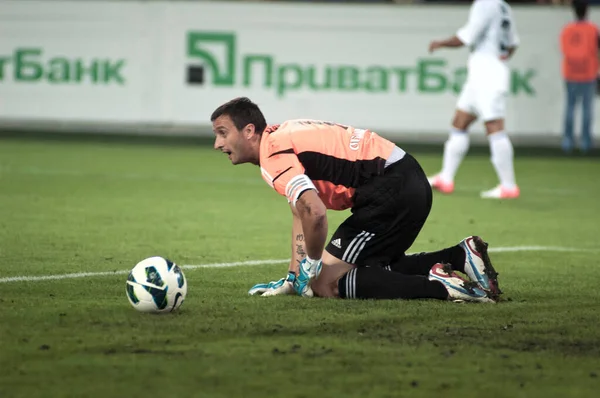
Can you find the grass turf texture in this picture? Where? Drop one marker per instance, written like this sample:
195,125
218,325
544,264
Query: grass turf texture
76,206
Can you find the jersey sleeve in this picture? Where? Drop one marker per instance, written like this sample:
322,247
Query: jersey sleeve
285,174
479,17
513,35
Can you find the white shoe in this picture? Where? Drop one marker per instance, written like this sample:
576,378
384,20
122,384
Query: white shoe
459,290
438,184
478,265
501,192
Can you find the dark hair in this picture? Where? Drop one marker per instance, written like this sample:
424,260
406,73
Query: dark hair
581,8
242,112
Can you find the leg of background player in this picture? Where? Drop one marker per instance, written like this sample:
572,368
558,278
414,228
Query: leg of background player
567,142
455,149
587,103
502,155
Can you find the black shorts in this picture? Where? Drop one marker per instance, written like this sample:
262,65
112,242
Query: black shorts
389,212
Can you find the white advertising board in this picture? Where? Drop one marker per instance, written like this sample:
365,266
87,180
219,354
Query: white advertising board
172,63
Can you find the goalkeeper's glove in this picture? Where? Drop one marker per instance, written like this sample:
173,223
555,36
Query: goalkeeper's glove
309,269
275,288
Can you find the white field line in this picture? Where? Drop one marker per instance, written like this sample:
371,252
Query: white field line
36,171
532,189
123,271
537,249
25,278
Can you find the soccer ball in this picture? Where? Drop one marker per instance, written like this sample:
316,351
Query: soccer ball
156,285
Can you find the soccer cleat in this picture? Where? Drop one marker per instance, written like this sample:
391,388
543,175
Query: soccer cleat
459,290
501,192
437,183
478,265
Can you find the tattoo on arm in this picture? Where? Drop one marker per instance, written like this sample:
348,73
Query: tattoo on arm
300,248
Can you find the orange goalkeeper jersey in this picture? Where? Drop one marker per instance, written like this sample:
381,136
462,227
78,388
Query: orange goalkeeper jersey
335,159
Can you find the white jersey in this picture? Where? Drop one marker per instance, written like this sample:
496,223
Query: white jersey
489,33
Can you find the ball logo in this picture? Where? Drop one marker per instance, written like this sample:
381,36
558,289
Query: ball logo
153,277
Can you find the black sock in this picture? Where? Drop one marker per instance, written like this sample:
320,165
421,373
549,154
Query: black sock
421,263
377,283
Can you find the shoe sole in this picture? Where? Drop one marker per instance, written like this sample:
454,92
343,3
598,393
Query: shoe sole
470,286
490,272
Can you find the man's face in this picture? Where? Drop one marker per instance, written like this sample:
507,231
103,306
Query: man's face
231,141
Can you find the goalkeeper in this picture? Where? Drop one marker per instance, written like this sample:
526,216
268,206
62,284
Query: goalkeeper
320,165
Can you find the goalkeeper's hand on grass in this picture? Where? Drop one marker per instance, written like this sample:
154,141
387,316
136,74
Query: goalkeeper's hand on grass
275,288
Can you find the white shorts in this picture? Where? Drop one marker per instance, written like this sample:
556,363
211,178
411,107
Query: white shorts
484,102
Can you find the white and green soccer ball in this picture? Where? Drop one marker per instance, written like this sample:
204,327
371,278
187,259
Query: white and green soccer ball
156,285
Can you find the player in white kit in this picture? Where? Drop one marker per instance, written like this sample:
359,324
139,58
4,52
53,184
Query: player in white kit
491,34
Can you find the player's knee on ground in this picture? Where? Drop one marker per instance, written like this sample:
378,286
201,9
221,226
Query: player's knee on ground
333,269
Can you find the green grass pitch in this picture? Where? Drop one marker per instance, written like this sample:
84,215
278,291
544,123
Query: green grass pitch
72,206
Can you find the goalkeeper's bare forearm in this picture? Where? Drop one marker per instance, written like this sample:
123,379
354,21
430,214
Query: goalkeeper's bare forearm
309,215
298,242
